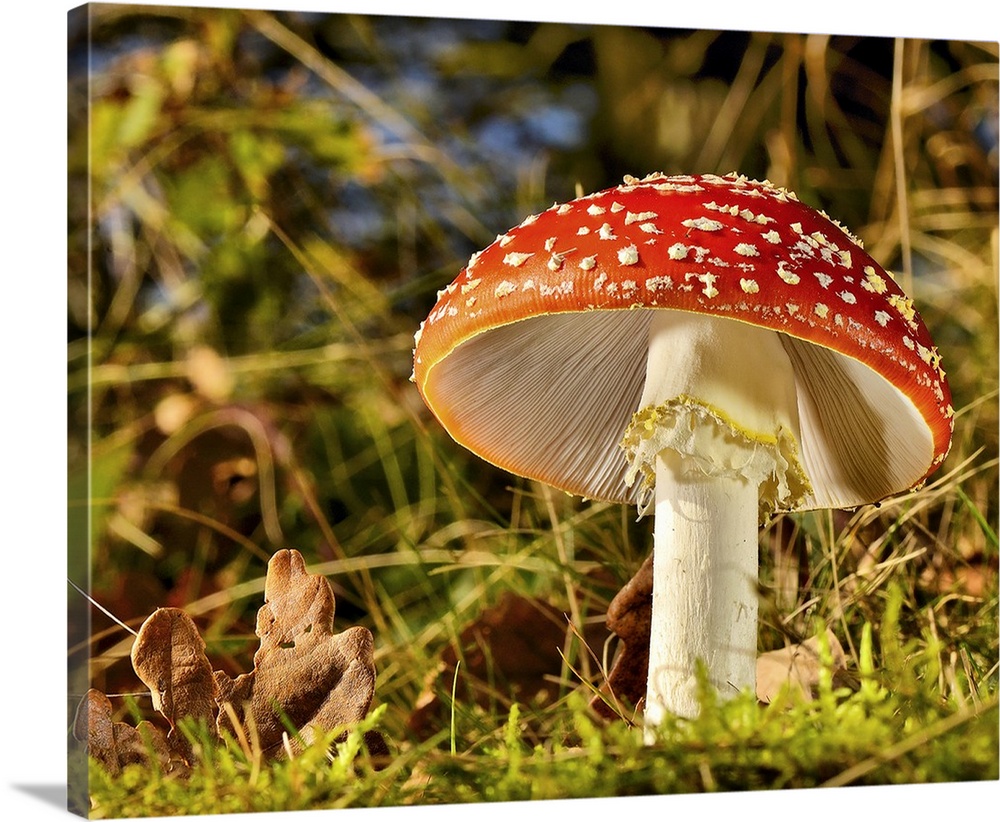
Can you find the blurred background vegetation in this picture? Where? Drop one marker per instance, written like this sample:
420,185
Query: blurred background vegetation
262,215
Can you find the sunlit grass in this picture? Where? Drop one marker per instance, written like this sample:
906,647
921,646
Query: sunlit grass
874,735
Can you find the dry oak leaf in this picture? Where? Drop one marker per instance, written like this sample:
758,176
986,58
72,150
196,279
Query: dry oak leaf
798,667
168,655
511,652
629,616
304,673
116,744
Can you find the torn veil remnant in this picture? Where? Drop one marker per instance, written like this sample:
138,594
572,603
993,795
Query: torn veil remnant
707,348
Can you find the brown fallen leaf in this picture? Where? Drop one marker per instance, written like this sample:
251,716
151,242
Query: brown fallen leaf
305,675
629,616
168,655
510,652
797,667
116,744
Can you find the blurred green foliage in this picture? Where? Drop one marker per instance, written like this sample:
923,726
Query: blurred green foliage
262,207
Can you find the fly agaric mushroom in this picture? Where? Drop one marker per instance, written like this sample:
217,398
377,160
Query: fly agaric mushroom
709,349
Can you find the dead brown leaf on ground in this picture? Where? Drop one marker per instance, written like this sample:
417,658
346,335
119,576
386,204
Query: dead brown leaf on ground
510,652
116,744
307,679
798,667
168,655
629,618
305,674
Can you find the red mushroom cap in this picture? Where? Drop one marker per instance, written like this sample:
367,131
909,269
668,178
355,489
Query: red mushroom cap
534,356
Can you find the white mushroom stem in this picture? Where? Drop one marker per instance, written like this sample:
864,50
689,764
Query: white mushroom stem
716,444
704,587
